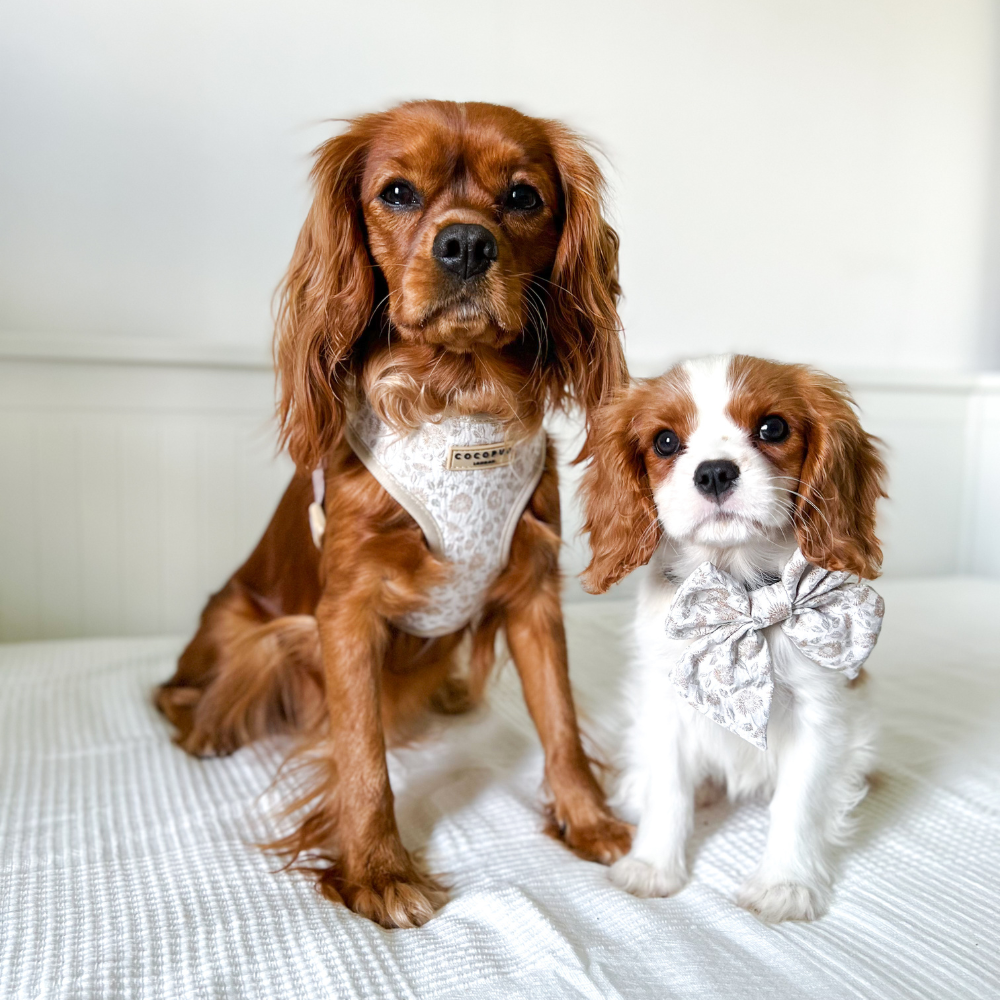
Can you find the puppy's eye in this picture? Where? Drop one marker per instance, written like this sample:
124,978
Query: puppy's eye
773,429
400,195
522,198
667,443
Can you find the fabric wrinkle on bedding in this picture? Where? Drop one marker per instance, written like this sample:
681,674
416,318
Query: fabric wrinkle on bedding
127,868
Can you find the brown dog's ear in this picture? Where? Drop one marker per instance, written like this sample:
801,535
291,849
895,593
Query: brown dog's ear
841,482
325,301
618,502
589,363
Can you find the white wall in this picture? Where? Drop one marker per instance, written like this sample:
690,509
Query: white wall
130,488
802,180
989,342
813,181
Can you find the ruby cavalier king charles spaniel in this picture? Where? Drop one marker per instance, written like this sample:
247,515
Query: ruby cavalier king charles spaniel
455,280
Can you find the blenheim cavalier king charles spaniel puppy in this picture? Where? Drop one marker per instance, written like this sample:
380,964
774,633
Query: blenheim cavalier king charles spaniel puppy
738,462
454,281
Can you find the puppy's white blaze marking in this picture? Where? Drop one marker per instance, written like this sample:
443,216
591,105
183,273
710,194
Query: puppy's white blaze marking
685,512
708,382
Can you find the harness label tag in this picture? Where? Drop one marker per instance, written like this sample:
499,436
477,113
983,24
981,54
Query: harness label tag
478,456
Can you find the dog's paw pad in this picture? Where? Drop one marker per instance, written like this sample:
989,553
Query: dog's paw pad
774,902
396,901
643,879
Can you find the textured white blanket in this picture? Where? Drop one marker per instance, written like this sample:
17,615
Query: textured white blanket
126,872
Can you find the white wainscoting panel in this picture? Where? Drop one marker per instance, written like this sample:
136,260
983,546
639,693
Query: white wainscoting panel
135,478
128,492
981,517
924,434
942,443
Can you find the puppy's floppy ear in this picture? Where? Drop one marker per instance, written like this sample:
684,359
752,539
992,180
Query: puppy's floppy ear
589,362
618,502
841,482
325,300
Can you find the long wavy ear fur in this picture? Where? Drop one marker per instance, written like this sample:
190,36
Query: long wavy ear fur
841,482
588,365
618,502
325,301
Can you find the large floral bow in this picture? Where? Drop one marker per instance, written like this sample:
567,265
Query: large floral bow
726,671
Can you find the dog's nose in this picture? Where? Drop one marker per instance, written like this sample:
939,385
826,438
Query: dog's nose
464,249
715,478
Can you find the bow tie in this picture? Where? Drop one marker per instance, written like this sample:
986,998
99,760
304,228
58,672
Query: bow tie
726,672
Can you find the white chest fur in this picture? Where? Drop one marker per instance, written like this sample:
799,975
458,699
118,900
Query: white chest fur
820,747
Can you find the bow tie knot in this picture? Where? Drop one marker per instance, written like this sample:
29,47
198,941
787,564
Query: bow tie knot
726,671
769,605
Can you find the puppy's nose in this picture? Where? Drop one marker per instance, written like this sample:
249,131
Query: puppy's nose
715,478
464,249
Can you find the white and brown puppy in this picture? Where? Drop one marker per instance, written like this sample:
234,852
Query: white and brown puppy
735,461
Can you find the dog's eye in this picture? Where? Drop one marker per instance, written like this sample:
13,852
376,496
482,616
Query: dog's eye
522,198
773,429
666,443
400,194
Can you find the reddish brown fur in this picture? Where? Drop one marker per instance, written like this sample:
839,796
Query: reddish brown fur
340,293
303,642
834,462
619,480
837,464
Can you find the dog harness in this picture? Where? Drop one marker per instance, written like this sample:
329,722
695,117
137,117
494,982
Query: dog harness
830,617
465,484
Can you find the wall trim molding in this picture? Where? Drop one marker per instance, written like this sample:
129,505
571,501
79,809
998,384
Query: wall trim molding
185,353
57,349
911,380
882,380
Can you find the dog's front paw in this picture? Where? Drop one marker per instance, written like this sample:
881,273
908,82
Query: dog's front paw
773,902
404,898
643,879
600,837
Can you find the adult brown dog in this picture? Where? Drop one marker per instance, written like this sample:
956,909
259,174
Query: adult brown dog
455,260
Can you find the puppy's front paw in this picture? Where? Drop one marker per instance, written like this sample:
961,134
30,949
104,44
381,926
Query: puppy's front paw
773,902
643,879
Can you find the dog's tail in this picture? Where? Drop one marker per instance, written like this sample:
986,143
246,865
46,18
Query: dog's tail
245,675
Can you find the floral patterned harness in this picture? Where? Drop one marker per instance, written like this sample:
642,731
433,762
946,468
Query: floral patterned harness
465,485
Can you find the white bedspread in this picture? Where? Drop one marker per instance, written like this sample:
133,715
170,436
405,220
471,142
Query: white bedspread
126,870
